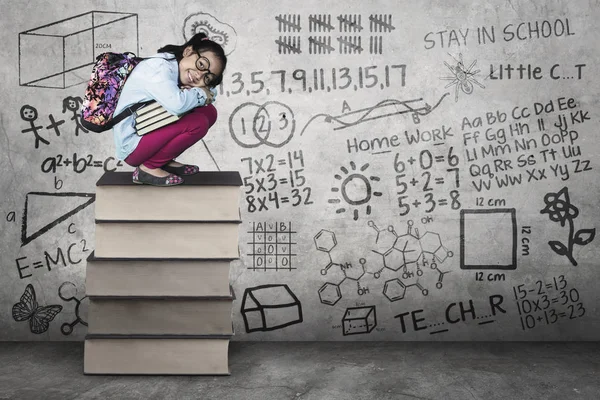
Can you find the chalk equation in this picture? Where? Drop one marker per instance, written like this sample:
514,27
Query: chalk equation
274,182
79,164
428,183
547,302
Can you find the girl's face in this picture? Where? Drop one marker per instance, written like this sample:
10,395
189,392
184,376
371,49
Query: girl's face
198,69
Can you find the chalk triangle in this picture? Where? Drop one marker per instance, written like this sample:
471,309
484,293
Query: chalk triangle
43,211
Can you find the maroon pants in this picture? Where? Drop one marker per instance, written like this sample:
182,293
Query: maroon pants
158,148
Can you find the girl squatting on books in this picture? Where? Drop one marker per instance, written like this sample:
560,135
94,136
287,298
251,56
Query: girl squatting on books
182,78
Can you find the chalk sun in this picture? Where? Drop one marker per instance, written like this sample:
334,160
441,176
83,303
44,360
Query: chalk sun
355,189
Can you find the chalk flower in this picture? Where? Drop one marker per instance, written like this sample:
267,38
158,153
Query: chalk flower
559,209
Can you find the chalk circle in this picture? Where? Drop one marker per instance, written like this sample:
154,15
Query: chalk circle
240,125
274,124
67,291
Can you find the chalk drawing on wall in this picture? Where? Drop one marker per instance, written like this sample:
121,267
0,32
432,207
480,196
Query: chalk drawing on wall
60,206
350,23
73,104
27,309
30,114
559,209
326,26
383,109
252,125
67,291
270,307
355,189
272,246
217,31
58,55
410,253
462,78
488,239
359,320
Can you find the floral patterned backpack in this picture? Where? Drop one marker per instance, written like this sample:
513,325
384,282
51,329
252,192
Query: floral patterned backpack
109,74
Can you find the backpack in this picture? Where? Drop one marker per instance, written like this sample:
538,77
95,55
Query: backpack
109,73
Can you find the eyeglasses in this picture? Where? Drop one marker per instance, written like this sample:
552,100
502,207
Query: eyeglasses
202,64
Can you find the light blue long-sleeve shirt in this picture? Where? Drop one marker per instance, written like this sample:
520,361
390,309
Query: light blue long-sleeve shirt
157,79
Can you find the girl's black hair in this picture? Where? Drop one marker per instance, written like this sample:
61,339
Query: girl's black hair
199,43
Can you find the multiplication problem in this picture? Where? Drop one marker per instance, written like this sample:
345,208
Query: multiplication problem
547,302
267,180
428,181
316,79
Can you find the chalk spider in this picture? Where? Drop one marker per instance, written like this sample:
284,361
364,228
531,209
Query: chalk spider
462,78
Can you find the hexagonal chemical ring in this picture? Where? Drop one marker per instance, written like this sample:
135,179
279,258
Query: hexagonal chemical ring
330,293
354,272
325,240
393,259
394,289
430,242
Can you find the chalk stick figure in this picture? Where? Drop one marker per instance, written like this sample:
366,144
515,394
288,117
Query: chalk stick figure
30,114
72,104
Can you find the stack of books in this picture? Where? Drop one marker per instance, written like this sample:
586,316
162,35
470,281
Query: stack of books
160,301
153,116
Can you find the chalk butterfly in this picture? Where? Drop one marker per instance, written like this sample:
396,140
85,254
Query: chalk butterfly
28,309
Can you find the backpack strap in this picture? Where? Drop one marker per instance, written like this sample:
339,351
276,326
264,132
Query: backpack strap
127,112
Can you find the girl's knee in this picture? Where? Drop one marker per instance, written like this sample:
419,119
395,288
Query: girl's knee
131,162
211,114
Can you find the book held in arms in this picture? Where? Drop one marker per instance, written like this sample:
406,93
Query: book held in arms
160,299
153,116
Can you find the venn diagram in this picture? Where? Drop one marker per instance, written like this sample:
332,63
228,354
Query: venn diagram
271,124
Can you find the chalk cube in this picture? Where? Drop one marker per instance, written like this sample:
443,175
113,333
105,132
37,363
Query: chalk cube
359,320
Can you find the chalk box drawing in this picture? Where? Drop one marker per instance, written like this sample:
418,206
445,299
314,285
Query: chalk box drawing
60,54
270,307
488,239
359,320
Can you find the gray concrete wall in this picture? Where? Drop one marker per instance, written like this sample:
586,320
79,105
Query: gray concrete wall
413,170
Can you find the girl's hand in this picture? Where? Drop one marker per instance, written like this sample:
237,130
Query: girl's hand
210,95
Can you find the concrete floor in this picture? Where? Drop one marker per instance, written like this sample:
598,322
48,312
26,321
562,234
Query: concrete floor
323,371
